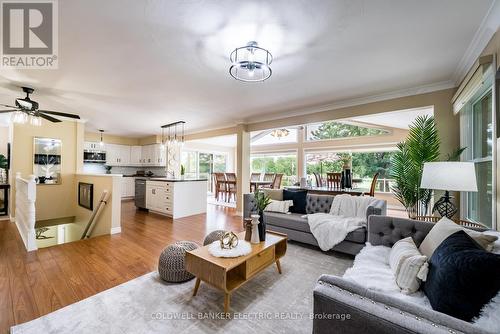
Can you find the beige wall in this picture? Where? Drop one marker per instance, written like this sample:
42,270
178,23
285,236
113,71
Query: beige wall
111,139
52,200
109,218
493,47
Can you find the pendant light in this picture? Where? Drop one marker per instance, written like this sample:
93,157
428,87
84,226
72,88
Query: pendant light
101,143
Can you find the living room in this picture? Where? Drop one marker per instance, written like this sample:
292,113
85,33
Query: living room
223,166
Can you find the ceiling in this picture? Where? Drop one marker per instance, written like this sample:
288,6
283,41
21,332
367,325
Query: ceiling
129,66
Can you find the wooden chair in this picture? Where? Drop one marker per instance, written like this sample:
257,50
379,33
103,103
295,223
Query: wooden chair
319,181
333,180
277,181
231,187
268,177
254,177
373,185
220,186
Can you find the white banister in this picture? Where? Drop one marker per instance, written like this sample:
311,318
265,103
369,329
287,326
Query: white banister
25,210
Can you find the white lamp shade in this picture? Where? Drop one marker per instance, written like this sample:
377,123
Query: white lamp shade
449,175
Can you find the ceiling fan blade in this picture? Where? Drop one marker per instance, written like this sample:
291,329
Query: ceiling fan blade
7,106
57,113
4,111
49,118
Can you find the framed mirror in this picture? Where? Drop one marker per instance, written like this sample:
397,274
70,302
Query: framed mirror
47,160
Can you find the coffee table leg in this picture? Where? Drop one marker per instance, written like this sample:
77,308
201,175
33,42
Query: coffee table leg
196,286
227,301
278,264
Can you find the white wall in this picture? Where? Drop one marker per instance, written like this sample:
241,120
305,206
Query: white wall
4,139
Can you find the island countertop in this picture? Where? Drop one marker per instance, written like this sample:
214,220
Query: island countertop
166,179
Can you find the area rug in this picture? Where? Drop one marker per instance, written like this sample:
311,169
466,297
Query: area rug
269,303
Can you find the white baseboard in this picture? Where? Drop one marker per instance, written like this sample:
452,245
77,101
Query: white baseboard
116,230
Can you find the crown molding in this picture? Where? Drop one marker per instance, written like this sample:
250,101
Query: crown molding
482,37
429,88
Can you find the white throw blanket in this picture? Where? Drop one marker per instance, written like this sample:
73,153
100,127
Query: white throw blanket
348,213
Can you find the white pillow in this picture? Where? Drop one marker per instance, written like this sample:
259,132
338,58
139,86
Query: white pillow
444,228
279,206
408,265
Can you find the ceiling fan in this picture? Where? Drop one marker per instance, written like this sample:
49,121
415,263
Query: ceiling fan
26,110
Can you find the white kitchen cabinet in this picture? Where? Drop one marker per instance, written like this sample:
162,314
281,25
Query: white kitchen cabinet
118,155
177,198
93,146
128,187
136,155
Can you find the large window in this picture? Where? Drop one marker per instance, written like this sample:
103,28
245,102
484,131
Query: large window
364,166
340,130
477,136
203,164
285,163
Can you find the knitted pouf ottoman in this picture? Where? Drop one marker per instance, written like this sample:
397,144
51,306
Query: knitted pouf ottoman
171,264
213,236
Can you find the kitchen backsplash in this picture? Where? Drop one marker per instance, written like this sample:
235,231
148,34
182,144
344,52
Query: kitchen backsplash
94,168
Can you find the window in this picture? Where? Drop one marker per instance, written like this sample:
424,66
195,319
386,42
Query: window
189,159
477,135
203,164
275,136
285,163
364,166
340,130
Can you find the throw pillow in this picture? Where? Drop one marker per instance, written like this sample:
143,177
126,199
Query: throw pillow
408,265
279,206
299,200
274,194
444,228
462,277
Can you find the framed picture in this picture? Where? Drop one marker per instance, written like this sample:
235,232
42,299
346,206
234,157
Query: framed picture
86,195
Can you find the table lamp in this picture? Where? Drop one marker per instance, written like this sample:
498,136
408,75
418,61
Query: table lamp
448,176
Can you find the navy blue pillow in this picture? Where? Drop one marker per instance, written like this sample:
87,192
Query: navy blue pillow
299,200
462,277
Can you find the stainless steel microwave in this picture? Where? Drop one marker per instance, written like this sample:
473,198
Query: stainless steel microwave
94,156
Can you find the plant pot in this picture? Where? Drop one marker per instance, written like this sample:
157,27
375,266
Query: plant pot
262,227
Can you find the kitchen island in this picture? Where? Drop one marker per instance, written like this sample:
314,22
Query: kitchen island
176,198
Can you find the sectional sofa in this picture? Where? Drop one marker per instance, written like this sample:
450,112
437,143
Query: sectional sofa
297,228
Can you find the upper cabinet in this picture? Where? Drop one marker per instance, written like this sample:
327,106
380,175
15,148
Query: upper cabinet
93,146
117,155
123,155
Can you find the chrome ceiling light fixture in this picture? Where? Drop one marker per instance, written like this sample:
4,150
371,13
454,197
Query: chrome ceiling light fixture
250,63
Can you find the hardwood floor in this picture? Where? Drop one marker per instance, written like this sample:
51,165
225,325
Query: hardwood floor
36,283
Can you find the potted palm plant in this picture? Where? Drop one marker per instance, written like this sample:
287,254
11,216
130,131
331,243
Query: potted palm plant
261,202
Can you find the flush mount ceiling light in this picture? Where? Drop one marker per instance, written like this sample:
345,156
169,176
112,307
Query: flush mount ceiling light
250,63
280,133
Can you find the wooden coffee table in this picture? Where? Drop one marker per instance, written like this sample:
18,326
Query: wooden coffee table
228,274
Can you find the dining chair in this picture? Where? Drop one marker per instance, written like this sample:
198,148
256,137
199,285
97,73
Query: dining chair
319,182
268,177
254,177
333,180
231,187
277,181
373,185
220,185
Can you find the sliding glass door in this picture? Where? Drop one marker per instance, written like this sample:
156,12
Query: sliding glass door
204,164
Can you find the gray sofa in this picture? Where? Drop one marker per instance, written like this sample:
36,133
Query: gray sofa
297,227
374,312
